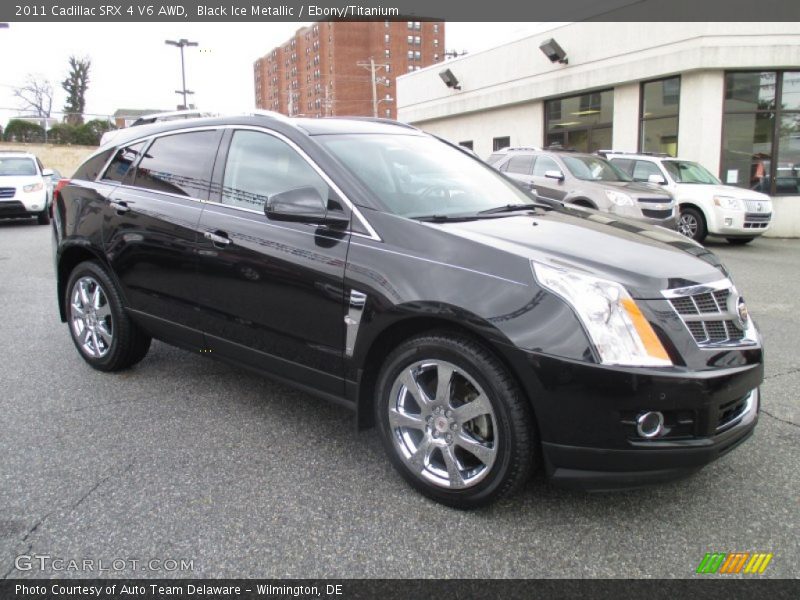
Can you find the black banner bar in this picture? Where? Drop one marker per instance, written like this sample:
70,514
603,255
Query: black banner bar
451,10
387,589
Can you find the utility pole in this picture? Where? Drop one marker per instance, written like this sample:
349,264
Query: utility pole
182,43
372,67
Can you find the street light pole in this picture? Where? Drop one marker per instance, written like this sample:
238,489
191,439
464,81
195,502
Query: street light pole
182,43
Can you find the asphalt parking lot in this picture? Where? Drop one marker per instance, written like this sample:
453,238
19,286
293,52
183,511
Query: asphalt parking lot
186,458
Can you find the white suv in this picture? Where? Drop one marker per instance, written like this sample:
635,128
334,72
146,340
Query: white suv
23,189
707,207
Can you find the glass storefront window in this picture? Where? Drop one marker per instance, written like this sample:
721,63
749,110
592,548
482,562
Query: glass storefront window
658,124
761,131
580,122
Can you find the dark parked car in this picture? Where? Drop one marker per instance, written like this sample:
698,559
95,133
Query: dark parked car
484,332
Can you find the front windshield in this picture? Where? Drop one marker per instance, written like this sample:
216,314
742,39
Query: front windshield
17,167
594,168
418,176
684,171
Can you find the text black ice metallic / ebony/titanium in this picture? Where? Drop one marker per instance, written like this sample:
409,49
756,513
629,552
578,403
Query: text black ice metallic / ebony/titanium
484,332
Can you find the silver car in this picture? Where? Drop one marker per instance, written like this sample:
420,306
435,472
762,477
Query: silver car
587,180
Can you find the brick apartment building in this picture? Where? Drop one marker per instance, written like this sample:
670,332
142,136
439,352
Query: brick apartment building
316,73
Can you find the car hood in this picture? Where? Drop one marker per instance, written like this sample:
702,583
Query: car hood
17,181
722,190
645,259
638,189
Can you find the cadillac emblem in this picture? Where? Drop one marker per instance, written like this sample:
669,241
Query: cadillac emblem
738,308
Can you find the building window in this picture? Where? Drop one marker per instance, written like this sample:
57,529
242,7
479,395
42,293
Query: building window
410,55
386,38
580,122
387,53
417,40
499,143
417,25
410,39
411,24
436,30
761,131
417,55
658,116
467,144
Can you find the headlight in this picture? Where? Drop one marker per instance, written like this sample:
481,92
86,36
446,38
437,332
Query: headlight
615,324
728,202
33,187
619,198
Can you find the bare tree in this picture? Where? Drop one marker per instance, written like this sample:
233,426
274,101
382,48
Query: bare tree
36,95
76,84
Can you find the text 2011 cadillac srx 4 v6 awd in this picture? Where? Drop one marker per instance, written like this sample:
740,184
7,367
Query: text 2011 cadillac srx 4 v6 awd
484,332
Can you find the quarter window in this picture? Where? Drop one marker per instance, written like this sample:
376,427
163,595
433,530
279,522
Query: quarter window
179,164
90,170
121,167
259,166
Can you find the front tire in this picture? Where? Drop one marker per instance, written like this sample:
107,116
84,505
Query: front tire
454,422
43,218
102,332
692,224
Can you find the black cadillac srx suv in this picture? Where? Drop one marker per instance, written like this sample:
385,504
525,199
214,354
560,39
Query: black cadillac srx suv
486,333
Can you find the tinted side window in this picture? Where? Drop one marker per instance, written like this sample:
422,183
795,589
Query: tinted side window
625,164
259,166
544,164
521,163
121,166
643,169
179,164
89,170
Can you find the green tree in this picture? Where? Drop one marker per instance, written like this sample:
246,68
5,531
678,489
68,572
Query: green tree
61,133
76,84
18,130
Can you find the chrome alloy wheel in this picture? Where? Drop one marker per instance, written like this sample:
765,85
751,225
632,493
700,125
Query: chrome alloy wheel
688,225
90,317
442,424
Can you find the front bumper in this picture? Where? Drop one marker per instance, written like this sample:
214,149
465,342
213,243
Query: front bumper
737,223
586,415
13,209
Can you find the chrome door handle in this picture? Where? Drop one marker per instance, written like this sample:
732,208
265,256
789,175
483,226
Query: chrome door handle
120,206
217,239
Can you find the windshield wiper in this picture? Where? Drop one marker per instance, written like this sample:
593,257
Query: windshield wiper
513,208
444,218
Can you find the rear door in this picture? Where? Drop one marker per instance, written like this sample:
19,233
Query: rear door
519,167
271,292
150,228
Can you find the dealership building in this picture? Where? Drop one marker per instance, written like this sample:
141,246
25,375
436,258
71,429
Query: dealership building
724,94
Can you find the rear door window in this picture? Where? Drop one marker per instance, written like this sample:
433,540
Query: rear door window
180,164
520,164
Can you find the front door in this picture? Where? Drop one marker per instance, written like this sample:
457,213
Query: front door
271,291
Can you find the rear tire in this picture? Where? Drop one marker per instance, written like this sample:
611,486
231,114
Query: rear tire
740,241
104,335
464,441
43,218
692,224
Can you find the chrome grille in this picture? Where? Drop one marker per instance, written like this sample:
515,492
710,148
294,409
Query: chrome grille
7,192
707,316
756,206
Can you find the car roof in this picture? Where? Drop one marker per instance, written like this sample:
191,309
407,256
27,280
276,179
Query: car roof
309,126
16,154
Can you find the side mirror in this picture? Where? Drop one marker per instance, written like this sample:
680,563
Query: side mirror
303,205
554,175
47,172
655,178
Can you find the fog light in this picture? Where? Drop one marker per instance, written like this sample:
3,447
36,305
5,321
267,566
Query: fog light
650,424
728,222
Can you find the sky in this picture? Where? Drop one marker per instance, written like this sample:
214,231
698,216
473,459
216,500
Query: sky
132,67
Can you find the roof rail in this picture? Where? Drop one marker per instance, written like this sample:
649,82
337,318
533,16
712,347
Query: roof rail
260,112
603,152
517,148
381,120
